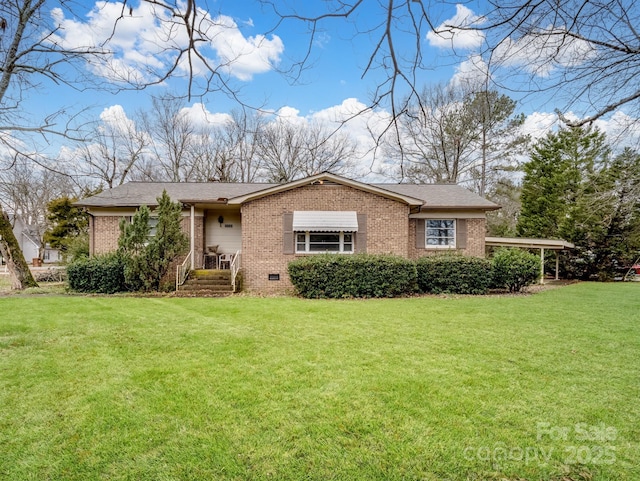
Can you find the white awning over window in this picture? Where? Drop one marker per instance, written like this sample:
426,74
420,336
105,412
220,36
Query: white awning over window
325,221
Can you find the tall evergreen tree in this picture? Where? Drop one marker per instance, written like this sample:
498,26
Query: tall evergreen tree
148,252
555,178
67,221
574,190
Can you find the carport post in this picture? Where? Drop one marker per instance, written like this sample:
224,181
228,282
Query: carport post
557,264
542,265
192,237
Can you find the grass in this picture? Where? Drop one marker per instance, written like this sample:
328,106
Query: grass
541,387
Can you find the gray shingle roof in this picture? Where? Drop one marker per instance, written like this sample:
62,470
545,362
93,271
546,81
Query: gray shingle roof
444,196
133,194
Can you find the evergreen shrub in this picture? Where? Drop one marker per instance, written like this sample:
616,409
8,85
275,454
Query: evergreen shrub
102,274
515,269
453,274
360,275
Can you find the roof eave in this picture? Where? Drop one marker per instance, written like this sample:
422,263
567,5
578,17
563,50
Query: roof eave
461,207
326,176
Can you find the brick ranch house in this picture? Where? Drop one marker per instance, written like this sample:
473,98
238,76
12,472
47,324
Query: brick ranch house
265,226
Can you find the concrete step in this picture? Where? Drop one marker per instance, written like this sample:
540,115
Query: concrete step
209,282
198,287
202,293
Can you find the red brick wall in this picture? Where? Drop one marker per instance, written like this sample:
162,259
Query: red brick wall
106,231
262,228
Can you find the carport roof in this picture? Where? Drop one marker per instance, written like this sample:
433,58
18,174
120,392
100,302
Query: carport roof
523,242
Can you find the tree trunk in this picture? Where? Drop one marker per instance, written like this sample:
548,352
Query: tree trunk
19,272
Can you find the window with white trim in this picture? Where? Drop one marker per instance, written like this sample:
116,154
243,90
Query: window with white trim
321,242
153,226
440,233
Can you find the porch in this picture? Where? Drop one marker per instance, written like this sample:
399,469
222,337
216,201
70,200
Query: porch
215,243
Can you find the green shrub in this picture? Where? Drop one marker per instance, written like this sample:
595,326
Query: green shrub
77,248
148,257
453,274
361,275
102,274
514,269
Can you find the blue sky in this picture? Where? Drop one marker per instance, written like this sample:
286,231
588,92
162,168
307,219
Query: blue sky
335,66
331,88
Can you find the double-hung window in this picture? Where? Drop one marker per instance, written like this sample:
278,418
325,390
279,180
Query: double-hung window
310,242
440,233
153,226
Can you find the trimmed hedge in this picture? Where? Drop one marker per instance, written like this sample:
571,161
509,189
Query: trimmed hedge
514,269
102,274
360,275
454,274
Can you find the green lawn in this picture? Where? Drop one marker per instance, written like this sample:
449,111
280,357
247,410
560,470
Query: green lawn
517,387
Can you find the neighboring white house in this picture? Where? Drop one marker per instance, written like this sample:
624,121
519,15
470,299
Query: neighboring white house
29,243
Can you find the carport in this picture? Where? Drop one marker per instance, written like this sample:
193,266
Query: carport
555,245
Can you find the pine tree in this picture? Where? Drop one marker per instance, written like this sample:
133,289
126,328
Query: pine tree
573,190
148,256
68,222
556,178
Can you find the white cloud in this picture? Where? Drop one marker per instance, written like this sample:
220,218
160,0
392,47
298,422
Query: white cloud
538,124
541,52
622,130
116,118
140,47
200,116
455,32
243,57
364,126
472,72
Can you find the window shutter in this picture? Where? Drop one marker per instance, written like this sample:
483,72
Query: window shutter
361,235
288,239
461,233
420,234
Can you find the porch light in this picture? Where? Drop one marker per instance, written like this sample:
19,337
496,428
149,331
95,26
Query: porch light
220,220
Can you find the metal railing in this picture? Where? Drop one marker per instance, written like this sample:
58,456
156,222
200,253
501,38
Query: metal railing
182,271
235,268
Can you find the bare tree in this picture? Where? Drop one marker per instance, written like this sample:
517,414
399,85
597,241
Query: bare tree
290,150
281,148
438,137
328,151
173,135
38,47
499,136
457,133
240,137
112,154
209,160
586,53
25,192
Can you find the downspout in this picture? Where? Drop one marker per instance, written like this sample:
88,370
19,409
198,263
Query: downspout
92,236
192,239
